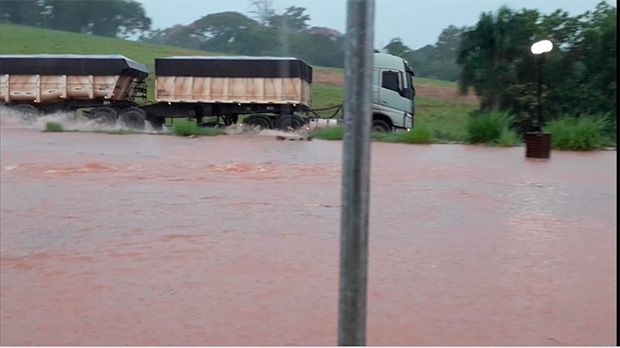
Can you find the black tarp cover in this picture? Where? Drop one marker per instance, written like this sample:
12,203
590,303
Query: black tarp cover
71,64
204,66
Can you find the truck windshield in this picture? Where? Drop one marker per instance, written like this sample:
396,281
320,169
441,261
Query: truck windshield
409,89
410,83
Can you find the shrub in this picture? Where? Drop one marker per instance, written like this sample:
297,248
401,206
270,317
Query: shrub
190,128
335,133
53,127
491,128
585,133
420,134
508,138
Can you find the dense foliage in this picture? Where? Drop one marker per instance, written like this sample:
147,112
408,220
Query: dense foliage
269,34
112,18
436,61
579,73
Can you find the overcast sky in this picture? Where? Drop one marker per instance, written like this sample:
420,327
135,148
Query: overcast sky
416,22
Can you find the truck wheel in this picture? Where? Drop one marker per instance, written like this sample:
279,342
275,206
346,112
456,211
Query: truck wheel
289,122
132,118
29,113
259,121
103,115
381,126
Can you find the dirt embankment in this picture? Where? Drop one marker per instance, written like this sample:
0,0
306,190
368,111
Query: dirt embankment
426,90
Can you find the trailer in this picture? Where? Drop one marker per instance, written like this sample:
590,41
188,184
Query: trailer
108,85
269,91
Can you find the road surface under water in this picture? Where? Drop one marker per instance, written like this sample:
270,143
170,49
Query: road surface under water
234,240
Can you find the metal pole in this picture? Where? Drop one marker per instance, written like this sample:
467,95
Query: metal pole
356,173
541,62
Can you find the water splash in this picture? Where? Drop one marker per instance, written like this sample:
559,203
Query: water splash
70,121
240,129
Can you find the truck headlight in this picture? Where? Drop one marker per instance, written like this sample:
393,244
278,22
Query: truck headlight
408,120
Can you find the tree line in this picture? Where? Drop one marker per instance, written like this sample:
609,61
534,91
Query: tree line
263,33
111,18
436,61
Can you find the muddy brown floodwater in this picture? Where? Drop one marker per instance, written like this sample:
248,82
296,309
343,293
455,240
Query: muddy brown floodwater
234,240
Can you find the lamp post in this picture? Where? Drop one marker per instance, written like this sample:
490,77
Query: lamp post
537,143
540,48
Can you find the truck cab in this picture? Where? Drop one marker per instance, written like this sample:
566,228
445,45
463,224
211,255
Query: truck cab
393,93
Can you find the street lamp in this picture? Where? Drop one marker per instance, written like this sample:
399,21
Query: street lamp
537,143
540,48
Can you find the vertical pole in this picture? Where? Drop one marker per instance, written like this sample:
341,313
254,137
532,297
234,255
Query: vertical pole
356,172
541,62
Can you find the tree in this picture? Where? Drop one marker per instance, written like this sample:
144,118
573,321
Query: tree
218,31
448,43
293,18
113,18
397,48
584,77
262,11
133,19
178,35
436,61
69,16
324,50
24,12
258,41
490,53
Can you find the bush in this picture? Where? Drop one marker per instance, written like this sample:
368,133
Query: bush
583,133
182,128
335,133
53,127
491,128
508,138
420,134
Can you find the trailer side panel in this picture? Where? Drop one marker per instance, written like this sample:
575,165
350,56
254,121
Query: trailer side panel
254,80
53,79
233,90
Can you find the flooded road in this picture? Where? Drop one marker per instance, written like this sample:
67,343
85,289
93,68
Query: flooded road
234,240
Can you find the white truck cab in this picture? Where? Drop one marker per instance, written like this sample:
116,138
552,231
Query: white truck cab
393,93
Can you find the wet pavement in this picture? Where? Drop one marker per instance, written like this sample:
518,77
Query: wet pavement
234,240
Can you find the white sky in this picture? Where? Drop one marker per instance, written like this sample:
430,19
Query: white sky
416,22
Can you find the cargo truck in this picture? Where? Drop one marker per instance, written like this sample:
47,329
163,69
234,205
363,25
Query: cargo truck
268,92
